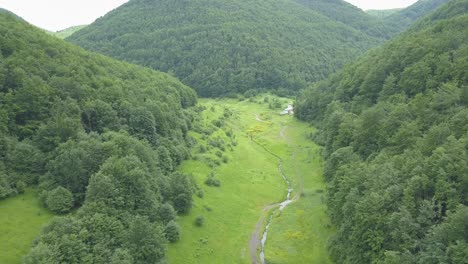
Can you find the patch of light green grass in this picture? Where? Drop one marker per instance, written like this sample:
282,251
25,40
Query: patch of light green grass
299,234
21,220
249,181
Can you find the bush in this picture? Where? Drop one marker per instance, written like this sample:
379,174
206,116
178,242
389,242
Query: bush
211,181
167,213
172,232
59,200
200,220
21,186
200,193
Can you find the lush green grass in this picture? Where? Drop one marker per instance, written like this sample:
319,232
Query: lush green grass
21,220
300,232
249,181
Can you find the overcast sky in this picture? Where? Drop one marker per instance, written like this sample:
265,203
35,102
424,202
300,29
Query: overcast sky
56,15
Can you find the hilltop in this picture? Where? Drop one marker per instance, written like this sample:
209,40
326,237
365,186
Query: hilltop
220,47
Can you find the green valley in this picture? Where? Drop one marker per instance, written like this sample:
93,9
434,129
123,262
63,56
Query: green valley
278,131
250,182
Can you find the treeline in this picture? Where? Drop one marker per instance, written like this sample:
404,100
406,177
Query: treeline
394,126
220,47
404,18
97,137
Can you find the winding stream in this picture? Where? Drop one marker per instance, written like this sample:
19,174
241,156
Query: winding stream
255,241
282,205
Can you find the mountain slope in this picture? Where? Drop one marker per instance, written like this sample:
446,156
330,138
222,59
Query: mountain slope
92,134
220,46
346,13
394,127
68,31
401,20
382,13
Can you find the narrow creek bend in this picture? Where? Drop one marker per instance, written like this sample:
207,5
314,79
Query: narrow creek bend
282,205
255,241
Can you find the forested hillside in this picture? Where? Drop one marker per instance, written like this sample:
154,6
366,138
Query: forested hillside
394,126
221,46
97,137
401,20
350,15
382,13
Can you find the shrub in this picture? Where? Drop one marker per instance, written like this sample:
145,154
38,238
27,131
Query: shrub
200,193
172,232
211,181
167,213
200,220
21,186
59,200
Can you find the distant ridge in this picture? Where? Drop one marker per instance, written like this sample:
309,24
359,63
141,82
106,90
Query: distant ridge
68,31
220,46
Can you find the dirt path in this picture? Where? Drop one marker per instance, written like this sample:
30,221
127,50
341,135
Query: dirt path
256,236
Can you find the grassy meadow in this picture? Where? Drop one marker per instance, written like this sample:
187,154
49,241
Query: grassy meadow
21,220
249,181
300,232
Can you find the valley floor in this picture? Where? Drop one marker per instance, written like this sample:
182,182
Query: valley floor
21,220
250,181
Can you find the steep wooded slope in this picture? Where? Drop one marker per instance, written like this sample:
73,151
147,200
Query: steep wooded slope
220,46
394,127
346,13
401,20
96,134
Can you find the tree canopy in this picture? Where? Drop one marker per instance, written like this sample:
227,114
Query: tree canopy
89,132
395,135
219,46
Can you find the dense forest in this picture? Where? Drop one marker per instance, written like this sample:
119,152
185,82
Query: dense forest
219,46
382,13
97,137
395,136
401,20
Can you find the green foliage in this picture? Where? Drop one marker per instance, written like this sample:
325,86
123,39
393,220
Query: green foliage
172,231
212,181
60,200
395,144
67,32
167,213
404,18
382,13
95,134
21,186
222,47
200,220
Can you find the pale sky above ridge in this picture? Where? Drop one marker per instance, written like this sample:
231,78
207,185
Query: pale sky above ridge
55,15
